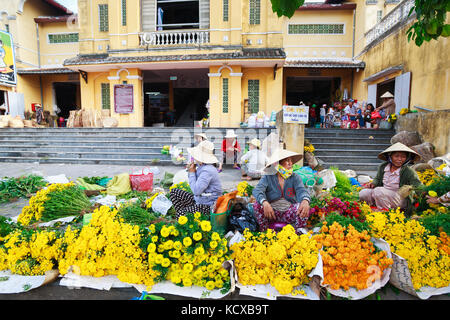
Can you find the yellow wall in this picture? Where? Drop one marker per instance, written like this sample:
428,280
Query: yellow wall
324,46
54,54
429,66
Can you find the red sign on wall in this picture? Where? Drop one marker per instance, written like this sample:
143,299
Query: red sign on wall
123,98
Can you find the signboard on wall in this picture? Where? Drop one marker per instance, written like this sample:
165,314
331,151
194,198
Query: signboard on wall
123,98
295,114
8,74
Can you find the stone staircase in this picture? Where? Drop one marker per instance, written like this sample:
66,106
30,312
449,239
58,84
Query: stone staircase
349,149
345,149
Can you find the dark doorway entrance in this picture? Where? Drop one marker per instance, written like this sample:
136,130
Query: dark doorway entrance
190,105
310,90
66,97
156,104
382,88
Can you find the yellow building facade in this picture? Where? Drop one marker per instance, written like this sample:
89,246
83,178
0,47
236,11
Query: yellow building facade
230,58
157,62
44,34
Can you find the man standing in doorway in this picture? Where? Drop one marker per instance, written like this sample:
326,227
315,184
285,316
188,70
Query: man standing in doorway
388,106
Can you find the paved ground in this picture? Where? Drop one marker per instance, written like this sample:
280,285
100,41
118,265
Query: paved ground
53,291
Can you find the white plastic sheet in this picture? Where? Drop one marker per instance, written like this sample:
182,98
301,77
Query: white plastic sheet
401,279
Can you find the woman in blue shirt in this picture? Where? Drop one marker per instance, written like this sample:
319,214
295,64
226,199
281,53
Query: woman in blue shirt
280,195
203,180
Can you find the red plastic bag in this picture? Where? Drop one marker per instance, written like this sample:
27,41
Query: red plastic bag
141,181
375,115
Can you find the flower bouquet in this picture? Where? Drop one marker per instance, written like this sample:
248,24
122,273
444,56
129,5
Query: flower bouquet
244,189
283,261
421,260
354,265
56,201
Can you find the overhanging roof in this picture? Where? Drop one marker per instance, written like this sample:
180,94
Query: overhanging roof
264,57
383,73
45,71
324,63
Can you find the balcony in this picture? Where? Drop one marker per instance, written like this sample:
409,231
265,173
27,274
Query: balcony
174,38
394,19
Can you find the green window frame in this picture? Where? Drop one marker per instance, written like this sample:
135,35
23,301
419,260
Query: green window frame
316,28
106,99
103,18
255,11
124,13
63,38
253,96
225,6
225,95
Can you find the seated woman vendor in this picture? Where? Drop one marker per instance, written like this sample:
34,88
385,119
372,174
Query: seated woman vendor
280,194
203,180
394,173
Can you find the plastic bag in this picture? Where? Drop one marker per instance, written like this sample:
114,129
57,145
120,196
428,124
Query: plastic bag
161,204
241,221
141,180
307,175
119,184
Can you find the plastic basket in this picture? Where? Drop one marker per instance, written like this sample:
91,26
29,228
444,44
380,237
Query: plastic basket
219,221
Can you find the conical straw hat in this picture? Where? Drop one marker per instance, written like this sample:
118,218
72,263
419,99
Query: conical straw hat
203,152
201,135
281,154
255,142
387,94
398,147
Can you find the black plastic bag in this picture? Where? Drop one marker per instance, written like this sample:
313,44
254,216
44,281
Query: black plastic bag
239,221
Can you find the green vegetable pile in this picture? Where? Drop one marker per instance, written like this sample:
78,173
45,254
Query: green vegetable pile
11,189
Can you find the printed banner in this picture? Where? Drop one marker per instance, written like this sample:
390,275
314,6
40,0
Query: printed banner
123,98
7,60
295,114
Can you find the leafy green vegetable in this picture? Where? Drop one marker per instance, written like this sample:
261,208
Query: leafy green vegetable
135,214
345,222
436,223
21,187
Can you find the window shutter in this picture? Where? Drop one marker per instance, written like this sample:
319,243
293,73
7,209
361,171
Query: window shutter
203,7
401,91
148,15
372,94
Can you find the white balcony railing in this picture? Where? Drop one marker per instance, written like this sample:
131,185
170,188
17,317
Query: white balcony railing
398,16
174,38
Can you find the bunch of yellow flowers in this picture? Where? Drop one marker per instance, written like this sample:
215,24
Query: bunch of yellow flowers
35,208
427,176
181,185
148,202
244,189
106,246
427,258
282,259
188,253
309,148
30,253
403,111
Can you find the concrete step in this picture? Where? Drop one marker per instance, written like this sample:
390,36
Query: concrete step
130,162
347,152
346,146
349,159
83,155
359,167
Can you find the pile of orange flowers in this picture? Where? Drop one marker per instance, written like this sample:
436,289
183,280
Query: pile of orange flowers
350,258
445,242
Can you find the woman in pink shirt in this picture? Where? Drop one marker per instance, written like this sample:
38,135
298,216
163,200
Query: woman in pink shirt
383,191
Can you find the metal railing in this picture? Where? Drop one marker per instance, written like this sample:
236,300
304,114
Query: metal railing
398,16
174,38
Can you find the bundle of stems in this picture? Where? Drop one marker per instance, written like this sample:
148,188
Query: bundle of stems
67,202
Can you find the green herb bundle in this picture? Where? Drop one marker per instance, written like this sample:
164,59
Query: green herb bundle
345,222
21,187
134,214
437,223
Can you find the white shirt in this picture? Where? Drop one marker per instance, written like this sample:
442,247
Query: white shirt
257,160
350,110
322,112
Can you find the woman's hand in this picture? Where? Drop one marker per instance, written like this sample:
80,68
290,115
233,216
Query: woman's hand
369,185
303,209
191,167
434,200
268,211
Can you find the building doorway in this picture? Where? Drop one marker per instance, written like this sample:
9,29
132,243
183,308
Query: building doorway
3,104
67,97
383,87
311,90
190,105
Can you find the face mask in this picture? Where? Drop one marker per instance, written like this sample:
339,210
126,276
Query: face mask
285,173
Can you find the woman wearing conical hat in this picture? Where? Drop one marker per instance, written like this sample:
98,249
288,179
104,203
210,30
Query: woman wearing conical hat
388,106
230,147
254,161
203,180
280,194
393,174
